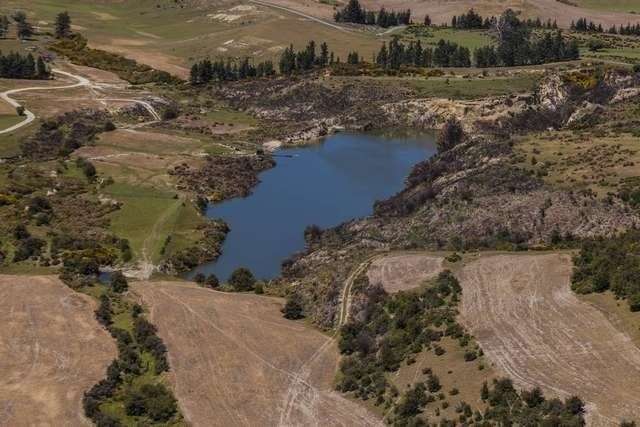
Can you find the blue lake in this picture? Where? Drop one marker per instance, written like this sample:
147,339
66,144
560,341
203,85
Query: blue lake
323,184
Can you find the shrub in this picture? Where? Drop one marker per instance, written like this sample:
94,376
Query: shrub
293,309
242,280
103,313
212,281
199,278
451,134
634,302
154,401
119,282
470,356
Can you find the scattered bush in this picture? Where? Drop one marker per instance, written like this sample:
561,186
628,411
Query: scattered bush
242,280
293,308
154,401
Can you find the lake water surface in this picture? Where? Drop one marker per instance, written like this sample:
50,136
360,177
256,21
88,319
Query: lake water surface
323,184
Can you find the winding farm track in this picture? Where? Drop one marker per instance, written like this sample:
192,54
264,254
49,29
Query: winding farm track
29,116
304,15
236,361
530,324
345,297
81,82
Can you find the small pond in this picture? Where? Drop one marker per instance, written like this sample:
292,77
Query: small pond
323,184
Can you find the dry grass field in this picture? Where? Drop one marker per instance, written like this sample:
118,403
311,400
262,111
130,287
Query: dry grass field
405,271
581,161
534,329
441,11
236,361
51,351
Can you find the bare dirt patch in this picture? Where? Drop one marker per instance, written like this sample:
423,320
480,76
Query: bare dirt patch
51,351
404,272
529,323
236,361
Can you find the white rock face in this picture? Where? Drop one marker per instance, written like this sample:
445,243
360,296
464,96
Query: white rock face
552,92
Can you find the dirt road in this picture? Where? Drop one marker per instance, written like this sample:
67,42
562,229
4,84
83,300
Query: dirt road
530,324
299,13
29,116
236,361
81,82
51,351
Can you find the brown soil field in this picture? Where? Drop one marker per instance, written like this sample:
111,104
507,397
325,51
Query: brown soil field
236,361
405,271
51,351
534,329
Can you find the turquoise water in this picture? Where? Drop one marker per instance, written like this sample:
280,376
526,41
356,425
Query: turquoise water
323,184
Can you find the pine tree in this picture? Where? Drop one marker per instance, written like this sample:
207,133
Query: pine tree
4,26
323,59
63,25
42,71
383,56
24,29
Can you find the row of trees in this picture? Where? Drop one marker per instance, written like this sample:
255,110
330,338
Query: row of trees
610,264
24,29
515,46
446,54
549,48
305,59
583,25
355,13
16,66
472,20
205,71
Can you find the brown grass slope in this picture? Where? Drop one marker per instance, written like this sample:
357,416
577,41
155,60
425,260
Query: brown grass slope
236,361
51,351
441,11
529,323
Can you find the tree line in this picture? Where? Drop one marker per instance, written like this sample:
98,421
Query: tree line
205,71
305,59
582,25
472,20
610,264
24,29
16,66
353,12
516,46
549,48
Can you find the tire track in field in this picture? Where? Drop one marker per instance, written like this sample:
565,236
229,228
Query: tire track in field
529,323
